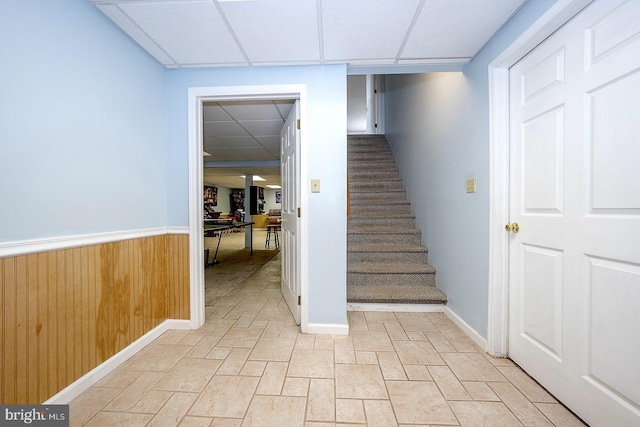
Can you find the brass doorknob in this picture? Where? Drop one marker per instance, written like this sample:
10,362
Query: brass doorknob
513,227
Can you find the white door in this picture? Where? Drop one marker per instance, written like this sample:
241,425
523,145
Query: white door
574,317
290,159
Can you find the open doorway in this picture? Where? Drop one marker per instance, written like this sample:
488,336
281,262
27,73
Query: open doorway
198,97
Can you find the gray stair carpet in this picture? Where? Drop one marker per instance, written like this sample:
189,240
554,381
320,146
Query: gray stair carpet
386,262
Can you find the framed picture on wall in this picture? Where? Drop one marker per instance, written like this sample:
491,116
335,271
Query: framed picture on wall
278,196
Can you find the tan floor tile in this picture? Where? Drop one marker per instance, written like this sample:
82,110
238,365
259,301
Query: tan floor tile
380,316
174,410
158,357
195,422
234,361
376,326
323,344
132,394
225,396
480,391
390,366
417,402
317,424
151,402
245,320
527,386
311,364
379,413
524,410
295,387
371,341
273,378
322,400
203,347
417,353
119,419
357,324
349,411
305,341
189,375
120,378
366,358
395,331
416,336
172,336
226,422
417,373
484,414
448,384
414,323
466,346
253,368
238,337
275,411
453,333
472,367
559,415
360,382
344,352
218,352
89,403
214,327
273,349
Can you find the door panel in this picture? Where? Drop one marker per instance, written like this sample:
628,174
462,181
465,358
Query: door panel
575,192
290,156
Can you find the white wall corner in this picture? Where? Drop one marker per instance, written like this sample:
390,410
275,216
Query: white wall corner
96,374
473,334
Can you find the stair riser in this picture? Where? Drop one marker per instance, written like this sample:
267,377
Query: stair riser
370,197
374,279
370,175
369,157
361,186
388,257
375,167
391,238
357,209
369,150
390,222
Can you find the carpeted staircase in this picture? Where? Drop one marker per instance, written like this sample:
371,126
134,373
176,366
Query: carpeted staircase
386,262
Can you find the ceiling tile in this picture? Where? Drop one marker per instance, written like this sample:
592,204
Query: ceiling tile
284,106
365,29
224,154
252,110
290,25
239,141
221,129
263,127
190,32
475,22
215,113
256,154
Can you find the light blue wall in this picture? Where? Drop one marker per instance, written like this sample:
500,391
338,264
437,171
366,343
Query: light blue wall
82,124
438,127
270,200
326,154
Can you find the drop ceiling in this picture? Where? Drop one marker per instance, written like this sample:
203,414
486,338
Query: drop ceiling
222,33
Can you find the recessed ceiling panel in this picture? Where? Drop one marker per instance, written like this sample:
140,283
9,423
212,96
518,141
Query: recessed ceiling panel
253,110
215,113
291,27
220,129
190,32
264,127
365,29
239,141
284,106
256,154
454,29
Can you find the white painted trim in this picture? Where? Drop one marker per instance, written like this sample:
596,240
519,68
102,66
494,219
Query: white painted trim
466,328
498,304
25,247
327,329
96,374
178,230
196,96
398,308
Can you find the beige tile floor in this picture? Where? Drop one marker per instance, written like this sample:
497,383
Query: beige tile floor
250,366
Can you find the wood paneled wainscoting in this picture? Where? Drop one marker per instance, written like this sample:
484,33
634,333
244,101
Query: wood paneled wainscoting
66,311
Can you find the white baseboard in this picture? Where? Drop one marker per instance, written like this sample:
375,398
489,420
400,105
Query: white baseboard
327,329
90,378
473,334
399,308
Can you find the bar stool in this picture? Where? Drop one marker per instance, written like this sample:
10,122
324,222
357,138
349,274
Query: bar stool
273,224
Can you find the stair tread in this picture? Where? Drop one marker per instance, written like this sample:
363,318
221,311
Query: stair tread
378,215
382,230
390,268
385,247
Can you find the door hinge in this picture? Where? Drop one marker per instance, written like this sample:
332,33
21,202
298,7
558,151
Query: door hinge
298,123
298,299
298,212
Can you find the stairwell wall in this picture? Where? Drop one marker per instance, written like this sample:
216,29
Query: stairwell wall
437,125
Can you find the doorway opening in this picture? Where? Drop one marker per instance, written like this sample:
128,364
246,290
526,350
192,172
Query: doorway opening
197,99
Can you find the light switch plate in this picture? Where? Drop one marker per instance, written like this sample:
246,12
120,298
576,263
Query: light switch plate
315,185
471,185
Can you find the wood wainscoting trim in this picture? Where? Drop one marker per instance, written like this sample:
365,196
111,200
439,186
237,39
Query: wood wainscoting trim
67,311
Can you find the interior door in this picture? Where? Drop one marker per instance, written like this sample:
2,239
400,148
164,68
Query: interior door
290,173
574,322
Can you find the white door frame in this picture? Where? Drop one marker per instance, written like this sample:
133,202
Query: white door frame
498,319
197,96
